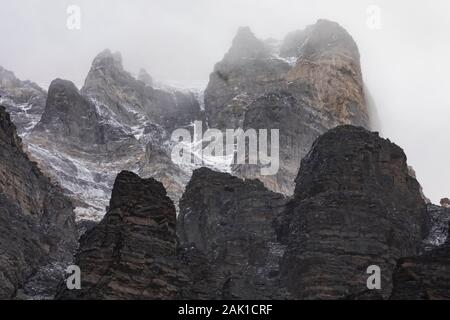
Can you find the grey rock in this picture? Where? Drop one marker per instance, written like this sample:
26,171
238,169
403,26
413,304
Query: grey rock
131,253
316,75
229,222
36,221
355,205
24,100
424,277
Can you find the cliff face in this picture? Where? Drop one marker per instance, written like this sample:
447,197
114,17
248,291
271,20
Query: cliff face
355,205
115,122
227,248
425,277
131,253
24,100
439,220
36,221
129,99
305,85
309,84
73,121
230,223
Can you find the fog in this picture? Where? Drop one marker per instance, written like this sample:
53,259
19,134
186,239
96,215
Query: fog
405,63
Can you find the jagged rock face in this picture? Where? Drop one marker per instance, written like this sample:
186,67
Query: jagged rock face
114,123
317,70
425,277
145,77
85,138
439,220
71,118
246,72
24,100
355,205
445,202
131,253
281,110
37,227
130,99
81,148
230,223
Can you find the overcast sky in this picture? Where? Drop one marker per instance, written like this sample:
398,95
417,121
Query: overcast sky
405,63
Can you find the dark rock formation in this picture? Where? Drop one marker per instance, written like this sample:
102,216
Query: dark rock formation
86,137
230,223
425,277
445,202
72,119
145,77
24,100
37,227
311,85
355,205
131,253
439,219
128,99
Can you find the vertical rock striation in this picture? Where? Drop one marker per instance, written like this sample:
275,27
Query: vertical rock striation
230,223
309,84
131,253
355,205
24,100
425,277
37,227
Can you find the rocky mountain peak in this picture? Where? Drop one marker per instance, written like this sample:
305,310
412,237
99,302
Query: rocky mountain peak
136,236
130,189
315,82
329,38
108,60
68,114
24,100
145,77
325,37
106,69
246,45
61,86
7,78
353,194
37,225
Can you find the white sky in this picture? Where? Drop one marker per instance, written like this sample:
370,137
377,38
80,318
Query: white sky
405,63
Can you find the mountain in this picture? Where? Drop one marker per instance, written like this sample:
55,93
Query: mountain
307,84
304,85
355,205
131,253
24,100
230,224
115,122
37,225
